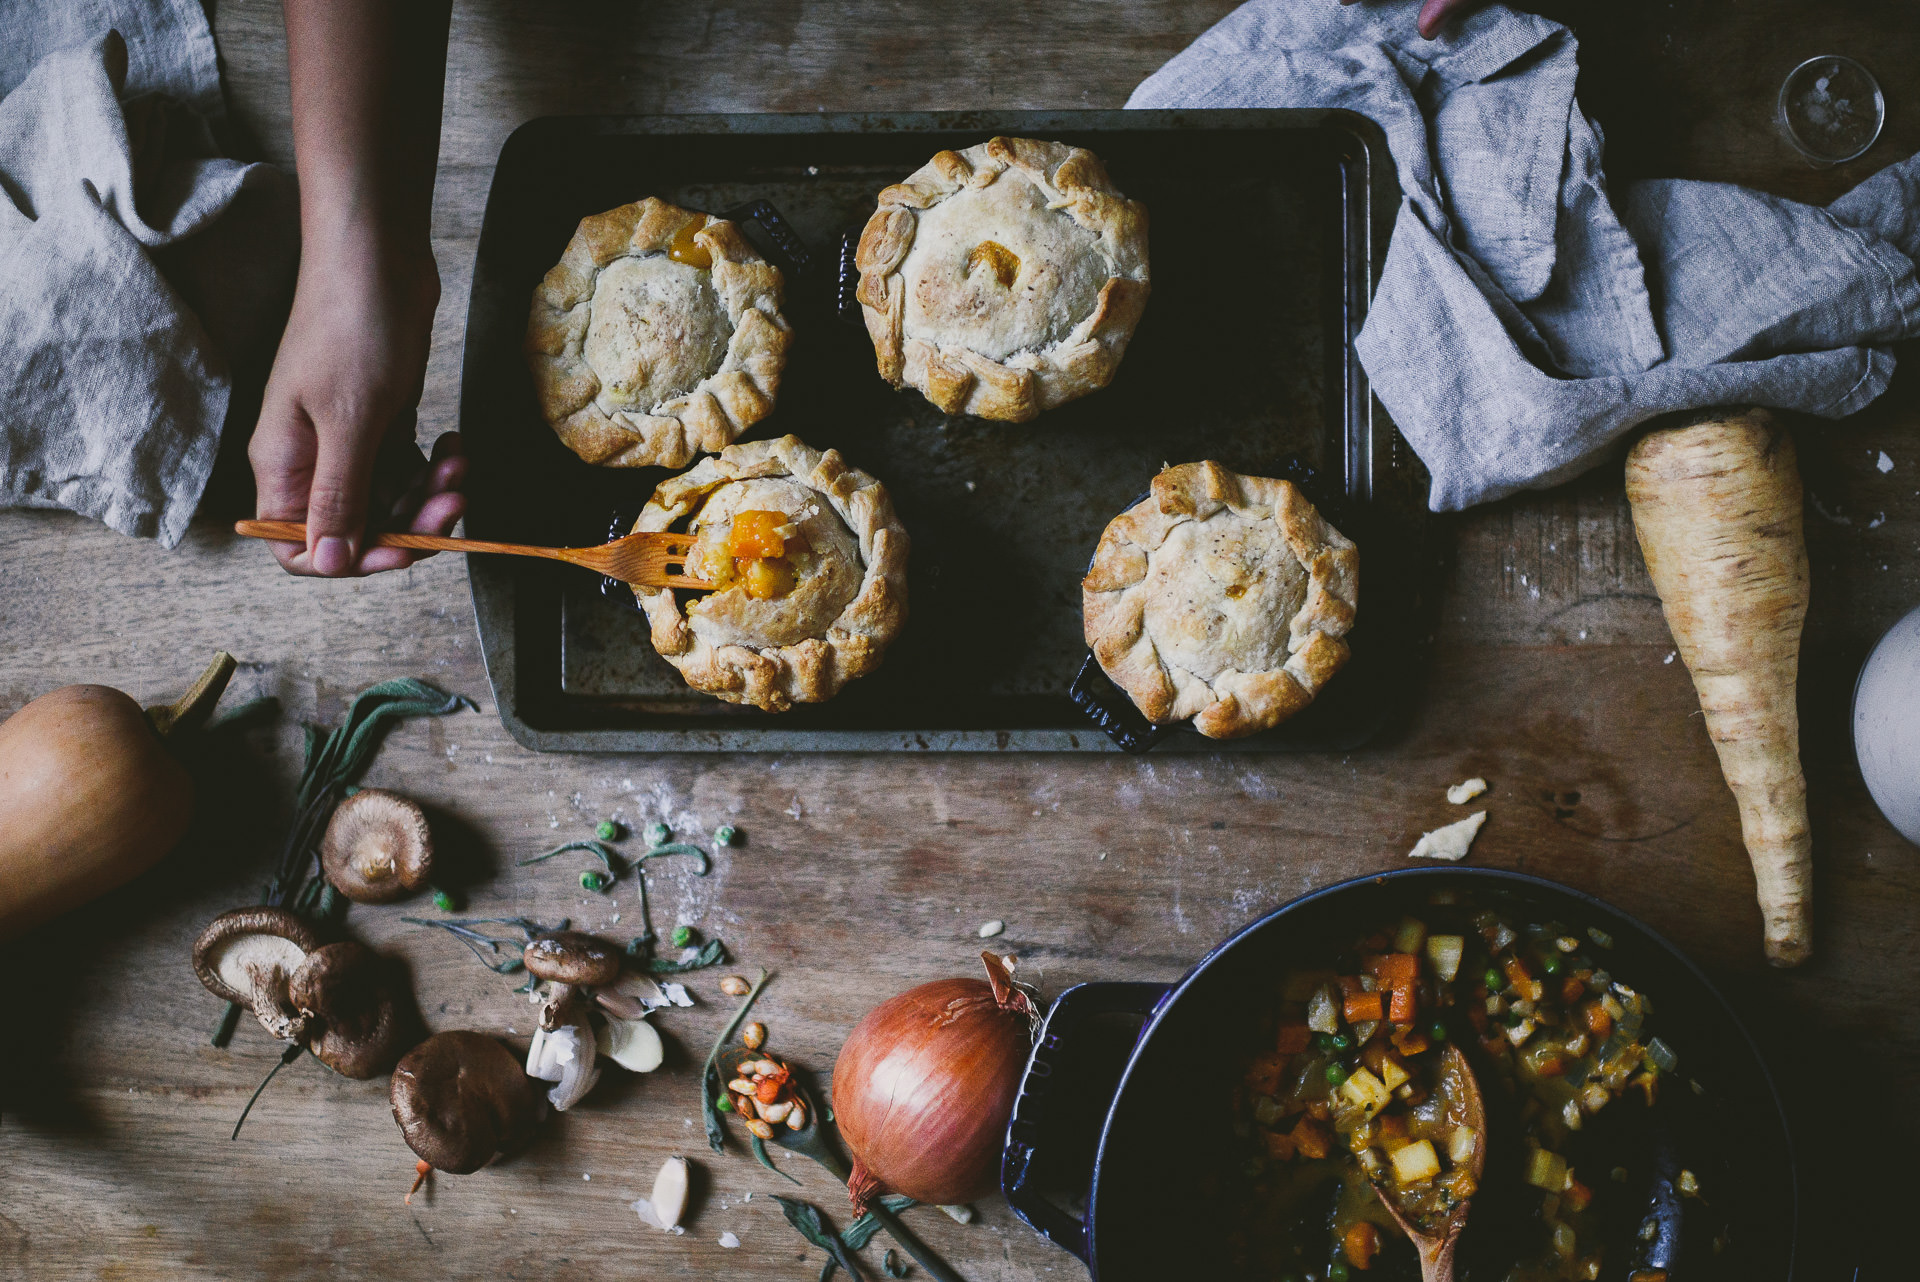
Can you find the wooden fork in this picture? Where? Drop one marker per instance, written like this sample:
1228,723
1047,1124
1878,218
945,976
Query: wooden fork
645,560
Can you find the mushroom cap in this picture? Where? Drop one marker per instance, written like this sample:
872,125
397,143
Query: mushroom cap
236,942
573,957
356,1021
377,847
460,1098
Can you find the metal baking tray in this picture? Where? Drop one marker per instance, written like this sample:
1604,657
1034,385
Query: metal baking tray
1267,232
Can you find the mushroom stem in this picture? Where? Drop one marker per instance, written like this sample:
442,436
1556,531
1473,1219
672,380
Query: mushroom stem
555,1012
272,1007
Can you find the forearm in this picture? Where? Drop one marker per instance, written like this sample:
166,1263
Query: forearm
367,80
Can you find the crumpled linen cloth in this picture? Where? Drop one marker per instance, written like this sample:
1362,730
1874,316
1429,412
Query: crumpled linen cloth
1526,318
120,269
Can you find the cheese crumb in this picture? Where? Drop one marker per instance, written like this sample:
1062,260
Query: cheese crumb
989,929
729,1241
1885,464
1461,793
1450,842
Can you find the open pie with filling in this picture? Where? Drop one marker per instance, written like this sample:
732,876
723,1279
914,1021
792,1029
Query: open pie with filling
810,564
657,336
1221,598
1004,279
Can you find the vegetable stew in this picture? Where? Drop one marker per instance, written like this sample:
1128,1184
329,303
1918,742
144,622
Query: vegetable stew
1344,1096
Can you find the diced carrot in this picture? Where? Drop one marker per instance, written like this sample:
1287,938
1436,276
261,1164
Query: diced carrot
1319,1110
1393,1126
1401,1009
1523,981
1364,1006
1263,1075
1399,970
1310,1139
1362,1244
1477,1016
1577,1195
1411,1041
1598,1022
1551,1066
1351,984
1280,1147
1293,1039
1571,990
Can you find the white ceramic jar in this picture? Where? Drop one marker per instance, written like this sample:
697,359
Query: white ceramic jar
1886,725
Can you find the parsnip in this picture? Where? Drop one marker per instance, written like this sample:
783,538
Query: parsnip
1717,506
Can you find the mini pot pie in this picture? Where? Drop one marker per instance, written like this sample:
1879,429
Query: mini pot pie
1221,598
811,568
657,336
1004,279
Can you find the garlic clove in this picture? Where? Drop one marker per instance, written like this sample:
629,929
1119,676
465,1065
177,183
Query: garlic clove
669,1200
633,1044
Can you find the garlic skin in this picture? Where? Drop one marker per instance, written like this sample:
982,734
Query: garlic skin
561,1056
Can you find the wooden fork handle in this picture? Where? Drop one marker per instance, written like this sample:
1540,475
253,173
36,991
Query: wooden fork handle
295,532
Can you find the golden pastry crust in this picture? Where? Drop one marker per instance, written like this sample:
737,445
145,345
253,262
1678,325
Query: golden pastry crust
643,355
1222,598
748,651
1005,279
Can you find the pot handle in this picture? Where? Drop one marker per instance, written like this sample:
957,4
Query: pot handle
1071,1010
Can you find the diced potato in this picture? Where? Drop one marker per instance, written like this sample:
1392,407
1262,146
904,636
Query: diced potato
1411,934
1520,1032
1393,1074
1547,1170
1365,1091
1445,952
1323,1010
1460,1145
1267,1110
1415,1162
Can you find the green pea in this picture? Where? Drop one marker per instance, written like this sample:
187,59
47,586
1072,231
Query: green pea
658,834
1495,980
682,936
1551,964
1336,1074
725,835
723,1104
1337,1271
1437,1031
594,880
443,901
1340,1042
608,830
1323,1042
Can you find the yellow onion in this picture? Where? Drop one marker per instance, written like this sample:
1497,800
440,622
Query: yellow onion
925,1085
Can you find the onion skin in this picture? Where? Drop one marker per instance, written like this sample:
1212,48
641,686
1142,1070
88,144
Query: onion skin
89,799
924,1088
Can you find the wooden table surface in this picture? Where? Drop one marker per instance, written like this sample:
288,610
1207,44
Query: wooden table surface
1554,678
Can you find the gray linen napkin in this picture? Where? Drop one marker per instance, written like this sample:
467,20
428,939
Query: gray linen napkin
112,393
1526,320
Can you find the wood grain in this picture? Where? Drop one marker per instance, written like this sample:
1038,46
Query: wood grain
862,875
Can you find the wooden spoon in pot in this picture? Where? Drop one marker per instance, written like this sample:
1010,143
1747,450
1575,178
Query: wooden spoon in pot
1465,1107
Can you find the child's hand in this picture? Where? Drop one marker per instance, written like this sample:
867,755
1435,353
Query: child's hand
334,446
1435,12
